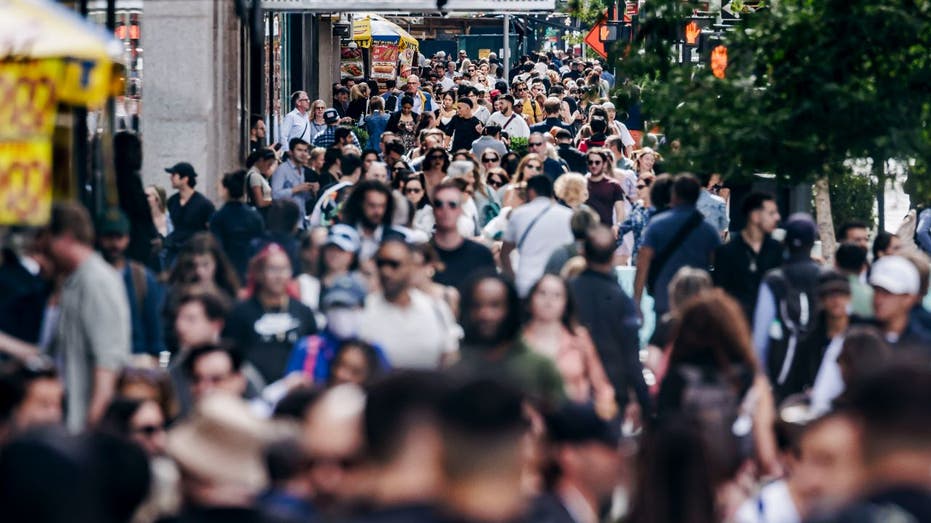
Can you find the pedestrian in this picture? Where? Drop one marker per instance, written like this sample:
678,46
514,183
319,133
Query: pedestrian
327,137
463,128
92,290
606,196
490,141
296,124
236,225
414,329
510,122
739,264
534,230
674,240
143,237
376,123
143,291
369,209
190,210
460,257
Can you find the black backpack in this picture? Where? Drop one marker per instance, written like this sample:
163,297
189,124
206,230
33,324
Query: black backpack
794,290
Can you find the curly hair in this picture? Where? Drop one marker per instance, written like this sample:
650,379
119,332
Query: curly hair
353,211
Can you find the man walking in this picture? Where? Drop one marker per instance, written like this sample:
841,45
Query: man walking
288,179
296,124
92,353
510,122
190,210
461,257
535,230
611,318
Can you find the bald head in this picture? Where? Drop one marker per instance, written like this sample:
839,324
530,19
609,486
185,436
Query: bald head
599,245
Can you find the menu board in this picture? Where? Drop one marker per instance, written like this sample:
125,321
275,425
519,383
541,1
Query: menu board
407,59
384,60
350,64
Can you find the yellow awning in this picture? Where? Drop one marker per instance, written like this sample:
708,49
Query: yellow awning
373,27
41,30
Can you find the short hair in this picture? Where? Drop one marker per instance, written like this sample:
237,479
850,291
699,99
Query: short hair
598,124
594,250
395,405
686,188
294,97
294,142
235,356
466,100
15,378
583,219
661,191
394,145
282,216
407,100
445,185
235,184
853,224
541,185
376,103
216,306
255,119
850,257
349,163
492,130
72,218
563,134
615,141
552,105
342,132
754,202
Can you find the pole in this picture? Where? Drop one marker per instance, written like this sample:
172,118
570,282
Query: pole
506,54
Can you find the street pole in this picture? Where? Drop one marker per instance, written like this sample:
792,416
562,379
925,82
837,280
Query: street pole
506,53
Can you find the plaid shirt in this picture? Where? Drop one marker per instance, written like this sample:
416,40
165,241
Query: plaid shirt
327,137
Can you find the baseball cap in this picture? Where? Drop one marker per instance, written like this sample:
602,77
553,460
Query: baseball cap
330,116
346,291
831,282
896,275
113,223
800,231
183,169
577,423
344,237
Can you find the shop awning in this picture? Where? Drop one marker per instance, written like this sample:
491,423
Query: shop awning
367,28
85,55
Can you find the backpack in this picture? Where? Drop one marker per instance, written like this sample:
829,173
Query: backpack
795,317
722,411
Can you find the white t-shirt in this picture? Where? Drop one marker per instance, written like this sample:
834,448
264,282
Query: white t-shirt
550,230
516,127
412,337
773,504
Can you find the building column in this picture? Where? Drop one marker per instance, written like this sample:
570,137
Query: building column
192,101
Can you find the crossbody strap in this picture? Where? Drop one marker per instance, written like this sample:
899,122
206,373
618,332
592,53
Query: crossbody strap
657,264
532,223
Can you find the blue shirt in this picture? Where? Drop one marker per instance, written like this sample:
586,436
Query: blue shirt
375,125
923,231
694,251
714,209
146,322
284,179
313,356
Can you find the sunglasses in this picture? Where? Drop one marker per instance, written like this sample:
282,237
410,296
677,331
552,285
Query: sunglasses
595,162
413,190
449,204
387,262
490,159
496,183
438,157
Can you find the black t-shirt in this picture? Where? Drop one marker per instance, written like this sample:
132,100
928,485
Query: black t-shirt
460,263
188,219
266,337
463,132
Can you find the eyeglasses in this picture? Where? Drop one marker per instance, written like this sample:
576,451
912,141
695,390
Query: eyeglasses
149,430
595,162
535,144
387,262
489,159
413,190
449,204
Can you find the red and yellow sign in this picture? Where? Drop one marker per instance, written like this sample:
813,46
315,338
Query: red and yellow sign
28,103
719,61
594,40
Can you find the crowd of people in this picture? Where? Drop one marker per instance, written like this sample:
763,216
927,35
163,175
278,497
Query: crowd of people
435,325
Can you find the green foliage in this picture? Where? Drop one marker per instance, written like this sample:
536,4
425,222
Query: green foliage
362,134
588,11
519,145
852,198
809,84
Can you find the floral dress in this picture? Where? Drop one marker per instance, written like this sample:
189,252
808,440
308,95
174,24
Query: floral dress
635,222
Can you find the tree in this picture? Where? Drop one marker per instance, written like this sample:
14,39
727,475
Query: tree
809,84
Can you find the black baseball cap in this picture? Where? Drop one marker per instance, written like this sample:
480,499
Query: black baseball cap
113,222
182,169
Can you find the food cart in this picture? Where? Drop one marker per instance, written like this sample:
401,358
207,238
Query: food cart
51,61
379,47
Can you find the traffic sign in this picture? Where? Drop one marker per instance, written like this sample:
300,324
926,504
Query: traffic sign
593,38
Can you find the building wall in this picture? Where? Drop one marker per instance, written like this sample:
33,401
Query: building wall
328,72
192,98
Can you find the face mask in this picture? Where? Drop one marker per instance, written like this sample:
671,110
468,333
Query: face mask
344,323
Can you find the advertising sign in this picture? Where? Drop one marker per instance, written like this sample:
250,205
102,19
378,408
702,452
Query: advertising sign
350,64
384,60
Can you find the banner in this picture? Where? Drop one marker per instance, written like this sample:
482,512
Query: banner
28,105
407,60
351,65
384,60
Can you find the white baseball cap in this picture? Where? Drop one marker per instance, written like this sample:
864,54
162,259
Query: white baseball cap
896,275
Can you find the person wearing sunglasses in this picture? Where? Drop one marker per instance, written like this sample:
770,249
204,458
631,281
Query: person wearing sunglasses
415,190
606,195
415,330
553,166
142,421
638,217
